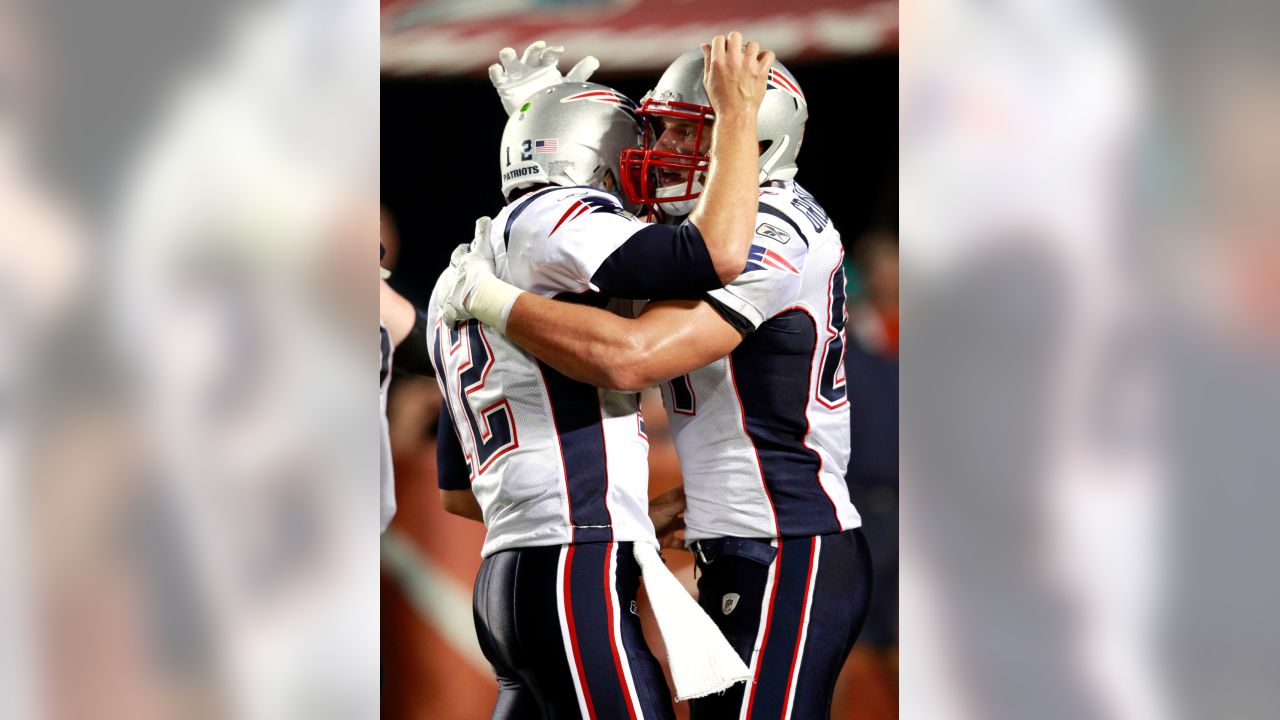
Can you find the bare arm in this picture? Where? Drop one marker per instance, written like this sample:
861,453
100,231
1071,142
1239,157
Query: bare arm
461,503
396,311
602,349
726,212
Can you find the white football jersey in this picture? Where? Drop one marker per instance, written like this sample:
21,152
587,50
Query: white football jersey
553,460
763,434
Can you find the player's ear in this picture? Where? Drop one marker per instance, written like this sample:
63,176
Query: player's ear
610,183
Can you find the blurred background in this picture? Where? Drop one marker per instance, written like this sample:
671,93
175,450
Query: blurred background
441,123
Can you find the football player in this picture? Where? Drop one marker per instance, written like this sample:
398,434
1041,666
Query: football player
400,325
558,468
752,379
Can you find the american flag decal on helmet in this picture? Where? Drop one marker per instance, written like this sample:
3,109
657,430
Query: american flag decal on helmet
782,82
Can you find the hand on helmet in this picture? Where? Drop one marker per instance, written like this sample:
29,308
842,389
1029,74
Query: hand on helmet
735,75
517,79
468,266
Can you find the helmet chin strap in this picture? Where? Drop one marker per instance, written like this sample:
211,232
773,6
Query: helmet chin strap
677,207
775,154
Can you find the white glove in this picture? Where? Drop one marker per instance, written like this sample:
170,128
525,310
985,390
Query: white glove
517,79
470,287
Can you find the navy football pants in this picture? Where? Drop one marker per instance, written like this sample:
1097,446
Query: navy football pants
559,627
792,609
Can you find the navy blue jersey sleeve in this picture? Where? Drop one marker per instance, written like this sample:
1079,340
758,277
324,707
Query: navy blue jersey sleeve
411,354
659,262
451,464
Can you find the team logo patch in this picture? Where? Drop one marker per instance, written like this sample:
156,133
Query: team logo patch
778,81
773,233
728,603
762,258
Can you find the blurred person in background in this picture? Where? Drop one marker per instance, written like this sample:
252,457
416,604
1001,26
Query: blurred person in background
1212,172
1026,549
873,313
757,402
398,321
558,469
871,376
234,300
42,265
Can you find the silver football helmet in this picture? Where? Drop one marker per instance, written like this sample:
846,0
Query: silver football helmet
680,95
569,134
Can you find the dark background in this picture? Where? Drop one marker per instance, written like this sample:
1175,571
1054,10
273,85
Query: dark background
440,140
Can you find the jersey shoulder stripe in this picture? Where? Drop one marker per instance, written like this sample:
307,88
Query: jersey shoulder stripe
791,202
586,200
516,210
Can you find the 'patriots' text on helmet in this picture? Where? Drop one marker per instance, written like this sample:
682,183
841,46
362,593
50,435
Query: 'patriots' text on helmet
569,134
668,172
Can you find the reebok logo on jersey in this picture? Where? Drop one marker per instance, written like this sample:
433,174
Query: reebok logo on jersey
773,233
728,602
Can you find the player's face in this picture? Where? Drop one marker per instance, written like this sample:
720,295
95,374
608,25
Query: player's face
681,136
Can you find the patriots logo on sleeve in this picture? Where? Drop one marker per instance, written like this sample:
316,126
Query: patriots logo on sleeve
586,206
762,258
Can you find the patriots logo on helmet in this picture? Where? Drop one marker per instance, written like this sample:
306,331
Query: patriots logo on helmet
610,97
778,81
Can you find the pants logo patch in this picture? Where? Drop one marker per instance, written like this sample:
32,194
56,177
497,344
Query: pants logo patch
728,603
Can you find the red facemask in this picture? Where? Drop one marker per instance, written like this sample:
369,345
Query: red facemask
641,167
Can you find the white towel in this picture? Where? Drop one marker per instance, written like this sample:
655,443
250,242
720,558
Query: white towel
701,660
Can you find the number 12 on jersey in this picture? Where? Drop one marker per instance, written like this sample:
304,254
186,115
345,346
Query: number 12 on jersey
490,426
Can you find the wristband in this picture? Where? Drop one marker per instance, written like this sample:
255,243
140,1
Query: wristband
491,301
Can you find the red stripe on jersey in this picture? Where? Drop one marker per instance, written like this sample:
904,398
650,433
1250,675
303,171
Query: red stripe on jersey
733,380
808,425
573,633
